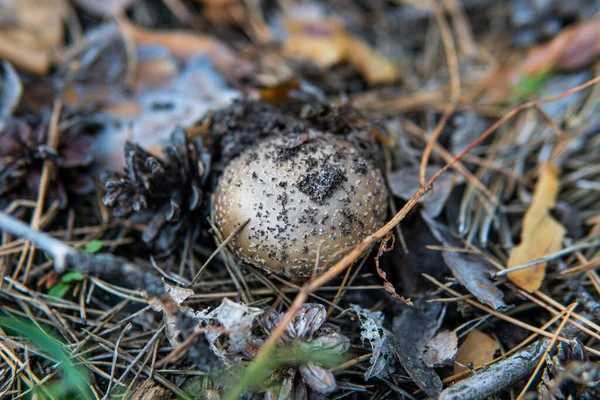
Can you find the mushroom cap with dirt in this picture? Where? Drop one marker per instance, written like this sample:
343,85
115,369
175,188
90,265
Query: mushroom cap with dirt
306,195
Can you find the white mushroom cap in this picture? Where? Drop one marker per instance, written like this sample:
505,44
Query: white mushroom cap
305,194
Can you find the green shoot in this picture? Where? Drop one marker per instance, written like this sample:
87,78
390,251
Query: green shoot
74,380
297,354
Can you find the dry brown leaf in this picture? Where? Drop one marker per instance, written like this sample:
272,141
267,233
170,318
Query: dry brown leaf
322,42
387,285
478,349
573,48
170,305
374,67
36,32
541,233
326,43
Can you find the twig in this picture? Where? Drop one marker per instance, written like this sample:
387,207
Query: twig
57,249
546,258
497,377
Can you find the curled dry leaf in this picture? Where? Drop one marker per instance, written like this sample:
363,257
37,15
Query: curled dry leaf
179,295
441,350
36,32
541,233
326,43
470,270
477,349
387,285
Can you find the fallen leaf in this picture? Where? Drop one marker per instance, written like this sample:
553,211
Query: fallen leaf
405,182
541,233
238,319
573,48
326,43
471,271
36,32
412,330
524,75
374,67
441,350
170,310
478,349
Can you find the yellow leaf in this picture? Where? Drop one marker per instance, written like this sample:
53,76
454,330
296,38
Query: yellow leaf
373,66
326,43
322,42
541,234
478,349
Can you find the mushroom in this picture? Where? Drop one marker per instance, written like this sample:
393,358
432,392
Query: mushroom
307,195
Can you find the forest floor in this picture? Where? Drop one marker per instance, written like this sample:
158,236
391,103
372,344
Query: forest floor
119,117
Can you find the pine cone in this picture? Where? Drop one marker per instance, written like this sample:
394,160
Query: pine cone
23,152
309,327
162,192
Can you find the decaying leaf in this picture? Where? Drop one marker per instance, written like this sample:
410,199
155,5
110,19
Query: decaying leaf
477,349
412,330
371,324
405,182
441,350
541,233
327,43
470,270
238,319
36,32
